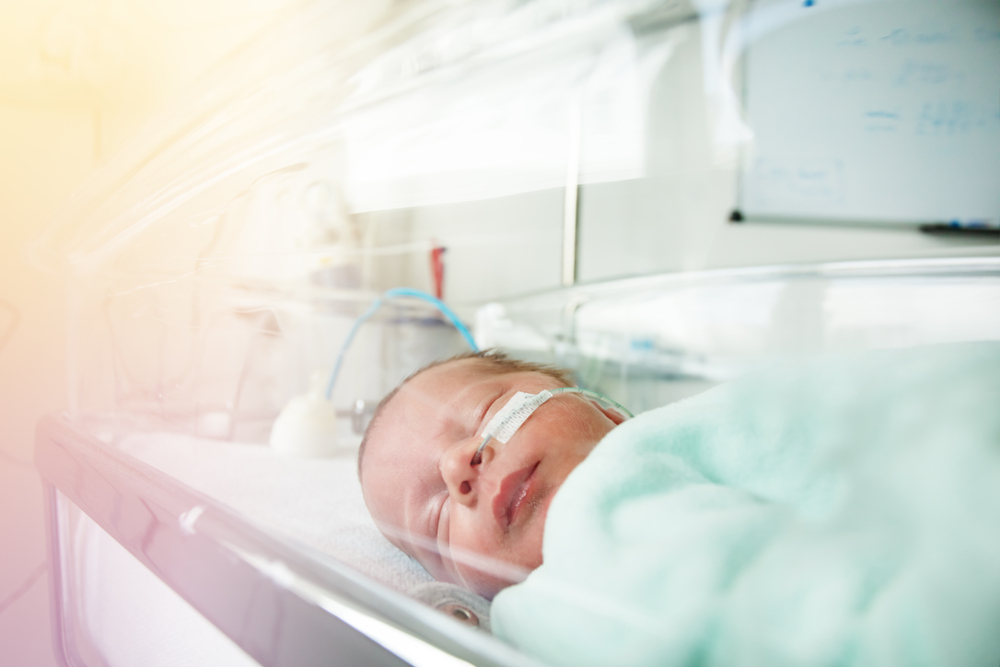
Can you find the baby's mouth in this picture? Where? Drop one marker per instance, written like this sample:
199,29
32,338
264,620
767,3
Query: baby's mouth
511,498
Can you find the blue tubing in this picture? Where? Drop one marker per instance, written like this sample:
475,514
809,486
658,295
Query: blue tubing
393,294
445,310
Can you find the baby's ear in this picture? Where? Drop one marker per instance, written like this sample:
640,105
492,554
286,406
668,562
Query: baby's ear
613,415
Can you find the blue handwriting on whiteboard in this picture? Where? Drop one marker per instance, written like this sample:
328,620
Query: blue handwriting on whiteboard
913,72
802,179
904,37
881,121
853,37
950,118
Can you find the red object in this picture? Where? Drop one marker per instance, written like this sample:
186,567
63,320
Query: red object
437,270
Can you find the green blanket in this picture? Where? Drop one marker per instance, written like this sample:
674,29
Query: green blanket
844,511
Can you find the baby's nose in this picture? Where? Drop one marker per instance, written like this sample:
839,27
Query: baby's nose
459,474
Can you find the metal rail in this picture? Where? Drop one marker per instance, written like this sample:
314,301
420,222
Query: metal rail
280,603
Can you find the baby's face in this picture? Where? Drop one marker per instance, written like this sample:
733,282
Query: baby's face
459,519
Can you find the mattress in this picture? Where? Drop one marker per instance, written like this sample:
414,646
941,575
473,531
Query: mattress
312,502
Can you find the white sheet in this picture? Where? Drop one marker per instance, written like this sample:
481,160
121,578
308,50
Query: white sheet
317,502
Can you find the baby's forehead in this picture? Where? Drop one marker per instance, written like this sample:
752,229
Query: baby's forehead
431,396
443,393
460,369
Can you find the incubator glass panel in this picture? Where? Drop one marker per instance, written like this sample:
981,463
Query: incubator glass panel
114,609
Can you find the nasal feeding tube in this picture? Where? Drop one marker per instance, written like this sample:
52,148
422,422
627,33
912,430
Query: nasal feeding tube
511,416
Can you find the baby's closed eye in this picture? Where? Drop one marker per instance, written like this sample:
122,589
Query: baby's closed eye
442,522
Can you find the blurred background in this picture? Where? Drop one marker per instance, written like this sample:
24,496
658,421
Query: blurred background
77,78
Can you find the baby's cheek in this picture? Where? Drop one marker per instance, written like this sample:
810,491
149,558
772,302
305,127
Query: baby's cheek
582,422
526,551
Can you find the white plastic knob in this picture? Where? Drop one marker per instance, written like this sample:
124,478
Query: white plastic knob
307,427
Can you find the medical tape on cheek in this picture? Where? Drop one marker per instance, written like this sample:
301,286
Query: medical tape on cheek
510,417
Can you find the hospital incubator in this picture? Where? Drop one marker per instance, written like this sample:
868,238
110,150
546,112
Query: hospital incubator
658,195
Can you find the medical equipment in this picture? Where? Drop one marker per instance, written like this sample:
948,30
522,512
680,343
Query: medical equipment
307,426
393,294
521,405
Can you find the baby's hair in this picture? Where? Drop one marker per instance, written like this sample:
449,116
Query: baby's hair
496,360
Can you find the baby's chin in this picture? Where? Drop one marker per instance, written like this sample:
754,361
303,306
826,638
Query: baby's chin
487,584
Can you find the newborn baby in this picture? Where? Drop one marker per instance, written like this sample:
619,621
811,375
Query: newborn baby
480,524
827,511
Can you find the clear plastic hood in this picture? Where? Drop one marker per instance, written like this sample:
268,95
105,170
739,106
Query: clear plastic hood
308,173
391,106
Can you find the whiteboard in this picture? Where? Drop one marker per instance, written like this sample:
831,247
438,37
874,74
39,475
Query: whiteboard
880,111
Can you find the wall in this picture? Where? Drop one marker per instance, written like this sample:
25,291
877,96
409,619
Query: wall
76,78
44,155
674,218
